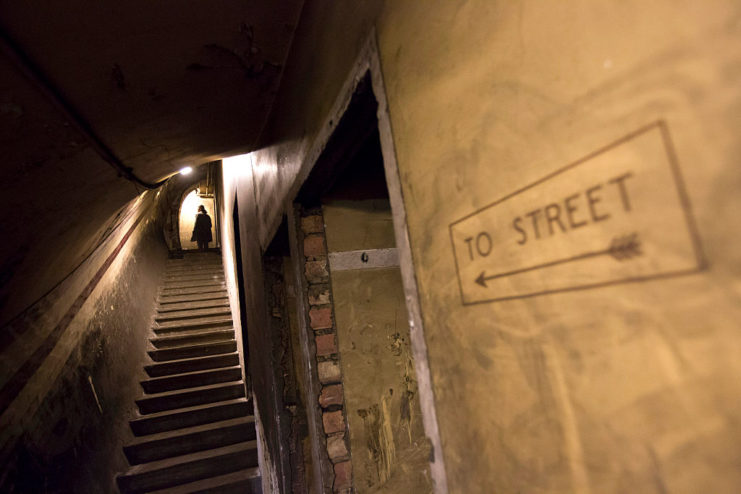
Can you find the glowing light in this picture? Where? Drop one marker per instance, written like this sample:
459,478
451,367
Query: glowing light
186,170
188,212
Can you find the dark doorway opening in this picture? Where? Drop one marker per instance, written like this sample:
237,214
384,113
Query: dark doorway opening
241,294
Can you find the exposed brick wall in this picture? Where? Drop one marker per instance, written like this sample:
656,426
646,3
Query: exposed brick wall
322,322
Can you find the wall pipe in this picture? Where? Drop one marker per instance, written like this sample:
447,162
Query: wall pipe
32,72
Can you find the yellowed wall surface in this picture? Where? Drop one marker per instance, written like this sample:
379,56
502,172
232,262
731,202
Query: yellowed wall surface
387,442
631,387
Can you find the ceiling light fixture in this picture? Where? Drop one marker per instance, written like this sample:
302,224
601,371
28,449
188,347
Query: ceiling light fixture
186,170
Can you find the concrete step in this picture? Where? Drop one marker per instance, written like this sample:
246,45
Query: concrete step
192,338
192,416
180,470
195,275
167,354
246,481
177,263
172,400
200,322
194,270
192,290
195,313
190,440
188,306
192,365
189,331
191,379
177,285
166,301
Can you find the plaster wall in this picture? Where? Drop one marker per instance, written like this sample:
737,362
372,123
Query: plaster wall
387,441
627,388
237,185
624,388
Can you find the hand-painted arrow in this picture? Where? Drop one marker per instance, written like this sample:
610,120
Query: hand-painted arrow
621,248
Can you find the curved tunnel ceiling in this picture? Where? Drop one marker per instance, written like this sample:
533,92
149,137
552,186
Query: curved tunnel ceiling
163,84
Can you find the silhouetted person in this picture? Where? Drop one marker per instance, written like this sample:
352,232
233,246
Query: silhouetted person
202,229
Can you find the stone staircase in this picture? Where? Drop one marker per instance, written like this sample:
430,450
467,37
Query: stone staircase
195,430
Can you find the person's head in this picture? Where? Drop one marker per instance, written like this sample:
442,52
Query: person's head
201,209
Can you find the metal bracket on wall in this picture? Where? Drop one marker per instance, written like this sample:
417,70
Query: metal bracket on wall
363,259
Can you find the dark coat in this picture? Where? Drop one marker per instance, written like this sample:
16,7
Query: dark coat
202,228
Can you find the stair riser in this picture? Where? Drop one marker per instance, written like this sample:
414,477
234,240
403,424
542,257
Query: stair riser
193,324
191,443
189,399
167,369
191,331
253,486
199,339
188,472
182,382
212,287
155,425
186,276
191,352
196,305
193,267
168,302
186,315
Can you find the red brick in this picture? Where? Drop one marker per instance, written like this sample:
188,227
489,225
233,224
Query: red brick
342,476
316,271
333,422
312,224
319,294
329,372
336,447
331,395
314,246
321,318
325,344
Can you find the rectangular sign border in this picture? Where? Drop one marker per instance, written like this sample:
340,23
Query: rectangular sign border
683,199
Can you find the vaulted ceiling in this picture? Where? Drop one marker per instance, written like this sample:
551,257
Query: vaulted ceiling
95,93
161,84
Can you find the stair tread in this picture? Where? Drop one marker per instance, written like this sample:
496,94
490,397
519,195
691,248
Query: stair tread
183,398
213,482
153,370
193,322
190,331
193,295
216,334
164,413
170,276
194,305
192,263
172,292
191,457
169,286
195,313
196,414
194,389
246,419
194,374
192,351
182,270
166,302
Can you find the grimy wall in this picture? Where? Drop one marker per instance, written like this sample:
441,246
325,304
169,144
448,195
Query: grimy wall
570,178
627,387
66,383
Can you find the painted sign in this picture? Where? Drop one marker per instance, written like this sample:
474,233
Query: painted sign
619,214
